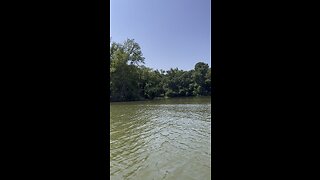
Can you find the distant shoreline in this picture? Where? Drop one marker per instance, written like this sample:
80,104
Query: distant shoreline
160,98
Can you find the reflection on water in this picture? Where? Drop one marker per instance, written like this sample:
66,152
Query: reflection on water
161,139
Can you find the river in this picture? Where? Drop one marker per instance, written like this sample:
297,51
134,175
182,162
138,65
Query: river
161,139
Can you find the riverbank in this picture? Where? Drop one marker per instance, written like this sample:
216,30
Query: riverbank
158,98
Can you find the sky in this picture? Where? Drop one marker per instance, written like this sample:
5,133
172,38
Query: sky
171,33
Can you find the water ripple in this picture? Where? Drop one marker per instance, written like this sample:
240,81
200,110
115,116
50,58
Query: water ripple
160,141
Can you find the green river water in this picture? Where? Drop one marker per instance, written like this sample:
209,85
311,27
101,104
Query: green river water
161,139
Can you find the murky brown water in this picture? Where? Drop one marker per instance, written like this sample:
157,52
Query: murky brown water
161,139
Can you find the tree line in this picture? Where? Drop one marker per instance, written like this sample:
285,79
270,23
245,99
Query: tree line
130,80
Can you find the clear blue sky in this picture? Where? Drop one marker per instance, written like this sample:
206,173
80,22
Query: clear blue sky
171,33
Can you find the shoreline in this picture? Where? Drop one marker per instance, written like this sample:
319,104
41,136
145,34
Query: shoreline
159,98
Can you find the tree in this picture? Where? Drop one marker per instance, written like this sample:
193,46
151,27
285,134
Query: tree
200,72
123,71
131,80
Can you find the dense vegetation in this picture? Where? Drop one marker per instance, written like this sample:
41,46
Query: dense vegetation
131,80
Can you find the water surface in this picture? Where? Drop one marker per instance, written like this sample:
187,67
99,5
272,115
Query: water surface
161,139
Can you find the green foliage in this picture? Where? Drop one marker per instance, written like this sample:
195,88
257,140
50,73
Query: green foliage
131,80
